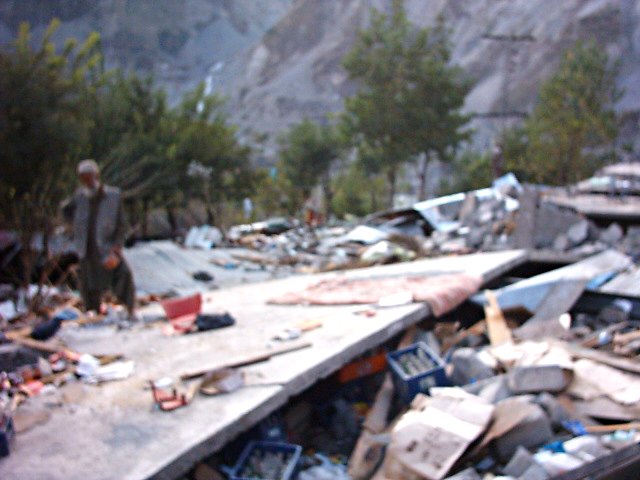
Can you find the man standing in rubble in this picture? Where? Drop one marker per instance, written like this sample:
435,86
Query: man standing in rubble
99,231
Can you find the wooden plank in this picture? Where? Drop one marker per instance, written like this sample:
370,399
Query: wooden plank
497,327
621,363
250,360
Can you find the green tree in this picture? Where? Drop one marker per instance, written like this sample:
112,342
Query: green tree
409,97
573,126
307,152
356,192
438,90
470,171
132,134
44,126
212,165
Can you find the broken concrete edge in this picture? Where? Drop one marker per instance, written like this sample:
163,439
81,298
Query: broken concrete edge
185,460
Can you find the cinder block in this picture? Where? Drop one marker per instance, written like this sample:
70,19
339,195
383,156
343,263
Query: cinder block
544,378
468,367
533,432
519,462
557,413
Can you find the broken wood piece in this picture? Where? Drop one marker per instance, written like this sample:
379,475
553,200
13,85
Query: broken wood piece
603,336
262,357
599,356
628,350
625,338
603,408
107,359
308,325
88,320
612,428
477,328
497,327
369,451
34,344
225,380
593,380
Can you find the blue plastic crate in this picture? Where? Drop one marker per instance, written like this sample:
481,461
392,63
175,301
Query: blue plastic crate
252,448
408,386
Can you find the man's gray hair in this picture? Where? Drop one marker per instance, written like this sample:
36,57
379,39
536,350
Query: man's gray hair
88,166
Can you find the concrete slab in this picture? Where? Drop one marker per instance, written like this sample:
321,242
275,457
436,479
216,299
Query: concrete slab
113,431
163,266
620,209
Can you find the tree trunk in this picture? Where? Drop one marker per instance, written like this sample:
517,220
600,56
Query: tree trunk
171,218
391,180
423,165
211,216
328,196
145,217
373,198
134,218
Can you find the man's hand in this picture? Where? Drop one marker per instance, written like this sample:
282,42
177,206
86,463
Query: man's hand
113,259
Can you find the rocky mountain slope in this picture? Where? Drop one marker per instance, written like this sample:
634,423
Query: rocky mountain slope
180,42
279,60
508,47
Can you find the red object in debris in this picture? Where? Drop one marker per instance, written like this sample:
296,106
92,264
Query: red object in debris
182,312
362,368
32,388
167,401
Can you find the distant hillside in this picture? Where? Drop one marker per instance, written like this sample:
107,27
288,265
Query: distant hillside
180,42
295,70
279,60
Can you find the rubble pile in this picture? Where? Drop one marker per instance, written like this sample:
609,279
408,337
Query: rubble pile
505,216
530,380
517,409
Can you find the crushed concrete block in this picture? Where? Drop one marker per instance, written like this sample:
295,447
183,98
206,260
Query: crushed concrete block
519,463
557,463
561,243
476,237
578,233
468,474
612,235
485,213
588,249
619,311
531,433
632,240
431,340
542,378
556,412
468,367
472,341
492,389
550,221
525,220
534,472
587,447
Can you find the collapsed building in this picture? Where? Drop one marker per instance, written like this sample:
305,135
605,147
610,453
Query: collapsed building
488,334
